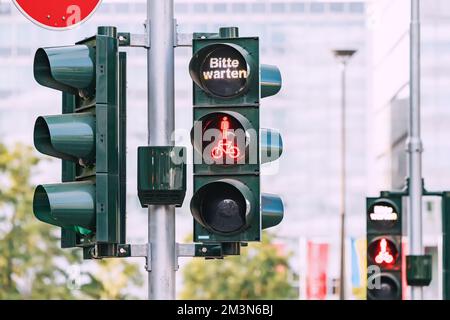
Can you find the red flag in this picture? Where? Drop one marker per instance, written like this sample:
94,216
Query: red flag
317,265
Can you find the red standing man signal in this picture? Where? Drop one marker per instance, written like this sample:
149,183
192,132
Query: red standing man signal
384,255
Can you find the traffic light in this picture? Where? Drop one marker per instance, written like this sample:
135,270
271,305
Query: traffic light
90,139
229,145
384,248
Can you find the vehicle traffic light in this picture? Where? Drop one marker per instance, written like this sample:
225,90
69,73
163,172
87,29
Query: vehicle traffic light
384,248
90,139
229,145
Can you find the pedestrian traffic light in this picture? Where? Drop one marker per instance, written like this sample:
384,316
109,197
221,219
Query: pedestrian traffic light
384,248
229,145
89,138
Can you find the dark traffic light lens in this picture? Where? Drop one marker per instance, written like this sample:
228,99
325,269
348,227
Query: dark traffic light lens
224,72
220,207
223,209
385,287
383,252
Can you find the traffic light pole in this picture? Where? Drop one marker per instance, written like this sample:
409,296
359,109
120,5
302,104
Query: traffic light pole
414,144
161,218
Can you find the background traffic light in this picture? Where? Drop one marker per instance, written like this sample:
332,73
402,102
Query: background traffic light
229,82
384,248
90,139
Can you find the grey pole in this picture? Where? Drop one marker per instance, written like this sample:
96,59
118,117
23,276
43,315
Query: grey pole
343,182
414,144
161,122
343,57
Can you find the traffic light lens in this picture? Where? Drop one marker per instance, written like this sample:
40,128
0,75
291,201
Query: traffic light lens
220,207
224,139
383,252
383,215
224,72
226,144
384,287
224,209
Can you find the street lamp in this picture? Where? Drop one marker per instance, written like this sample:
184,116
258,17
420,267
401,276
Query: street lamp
343,56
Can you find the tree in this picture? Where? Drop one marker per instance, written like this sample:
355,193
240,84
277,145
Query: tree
112,280
32,264
260,272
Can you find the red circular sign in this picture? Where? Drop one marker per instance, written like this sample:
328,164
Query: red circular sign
57,14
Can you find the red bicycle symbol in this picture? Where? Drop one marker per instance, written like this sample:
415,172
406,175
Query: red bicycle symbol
227,148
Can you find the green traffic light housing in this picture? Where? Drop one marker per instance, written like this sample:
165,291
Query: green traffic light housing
68,205
271,145
229,145
270,80
90,139
272,210
67,69
384,247
69,136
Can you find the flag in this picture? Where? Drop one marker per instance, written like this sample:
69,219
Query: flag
359,268
317,265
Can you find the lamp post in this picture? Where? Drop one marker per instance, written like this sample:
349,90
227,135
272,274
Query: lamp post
343,56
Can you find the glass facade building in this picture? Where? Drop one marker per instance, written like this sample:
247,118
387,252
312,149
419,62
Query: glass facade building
297,36
387,121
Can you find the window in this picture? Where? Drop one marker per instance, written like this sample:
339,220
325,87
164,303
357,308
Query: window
200,7
23,51
104,8
181,7
258,7
200,26
278,38
122,7
220,7
336,7
238,7
24,31
297,7
5,35
278,7
5,93
142,7
317,7
4,52
6,78
5,8
356,7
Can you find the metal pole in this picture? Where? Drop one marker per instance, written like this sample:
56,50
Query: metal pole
161,219
414,144
343,56
343,182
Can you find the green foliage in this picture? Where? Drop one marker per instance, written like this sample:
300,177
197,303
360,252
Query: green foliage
32,264
260,272
112,279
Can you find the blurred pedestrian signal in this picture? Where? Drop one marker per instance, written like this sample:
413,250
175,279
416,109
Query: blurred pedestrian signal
384,232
